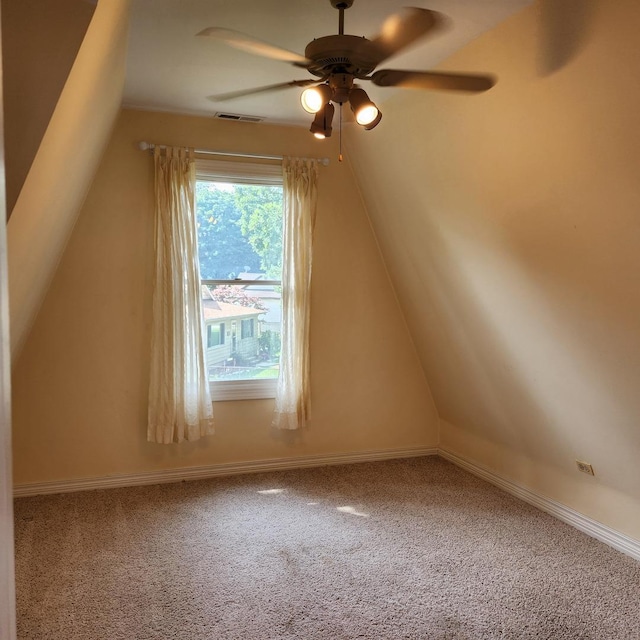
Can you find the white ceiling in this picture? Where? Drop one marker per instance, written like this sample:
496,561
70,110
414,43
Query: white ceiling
170,69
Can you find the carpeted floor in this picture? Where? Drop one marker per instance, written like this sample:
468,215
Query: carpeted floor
402,549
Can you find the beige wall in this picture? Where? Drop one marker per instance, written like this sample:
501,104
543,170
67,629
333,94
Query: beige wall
40,41
510,225
67,158
80,385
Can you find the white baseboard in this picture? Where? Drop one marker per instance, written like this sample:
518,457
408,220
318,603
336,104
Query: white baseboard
211,471
591,527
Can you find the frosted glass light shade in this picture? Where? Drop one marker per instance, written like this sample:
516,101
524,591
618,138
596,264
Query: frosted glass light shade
364,110
321,125
367,114
314,98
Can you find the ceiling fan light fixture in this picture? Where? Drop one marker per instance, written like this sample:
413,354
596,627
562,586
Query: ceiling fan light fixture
313,98
337,61
374,123
364,110
321,125
366,115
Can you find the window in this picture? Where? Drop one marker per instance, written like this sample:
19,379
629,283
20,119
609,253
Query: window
239,216
246,329
215,335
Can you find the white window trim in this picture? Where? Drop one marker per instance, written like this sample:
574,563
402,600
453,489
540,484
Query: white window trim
222,390
240,173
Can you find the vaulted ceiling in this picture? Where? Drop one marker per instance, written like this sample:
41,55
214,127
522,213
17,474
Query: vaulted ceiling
170,69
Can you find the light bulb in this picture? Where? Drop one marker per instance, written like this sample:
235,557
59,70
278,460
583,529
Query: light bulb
311,100
314,98
367,114
365,111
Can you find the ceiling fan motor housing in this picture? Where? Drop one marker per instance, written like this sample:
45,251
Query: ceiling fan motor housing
341,4
342,54
341,84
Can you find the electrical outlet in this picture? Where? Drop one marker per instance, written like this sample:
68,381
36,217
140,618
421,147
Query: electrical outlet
585,467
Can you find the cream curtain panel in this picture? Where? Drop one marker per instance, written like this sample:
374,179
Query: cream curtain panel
179,400
292,405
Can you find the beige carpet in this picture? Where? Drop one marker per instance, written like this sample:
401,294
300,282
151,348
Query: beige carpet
402,549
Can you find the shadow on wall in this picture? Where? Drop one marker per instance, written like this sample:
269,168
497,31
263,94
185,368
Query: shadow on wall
452,285
518,319
564,29
494,396
535,358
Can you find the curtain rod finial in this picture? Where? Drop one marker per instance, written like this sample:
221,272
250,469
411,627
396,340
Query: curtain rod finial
144,146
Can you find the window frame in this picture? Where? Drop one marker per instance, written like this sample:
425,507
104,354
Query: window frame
244,173
249,331
221,329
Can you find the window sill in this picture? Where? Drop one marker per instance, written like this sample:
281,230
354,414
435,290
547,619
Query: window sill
223,390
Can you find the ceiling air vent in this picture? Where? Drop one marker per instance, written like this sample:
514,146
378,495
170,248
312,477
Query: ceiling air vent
238,117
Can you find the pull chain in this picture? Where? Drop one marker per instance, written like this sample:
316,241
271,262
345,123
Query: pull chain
340,136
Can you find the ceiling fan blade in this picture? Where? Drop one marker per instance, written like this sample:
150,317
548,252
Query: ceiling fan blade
432,80
253,45
221,97
401,29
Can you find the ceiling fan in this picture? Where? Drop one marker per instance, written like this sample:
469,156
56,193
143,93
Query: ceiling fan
337,61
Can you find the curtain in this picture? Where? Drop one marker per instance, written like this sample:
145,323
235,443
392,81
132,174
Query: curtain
292,405
179,400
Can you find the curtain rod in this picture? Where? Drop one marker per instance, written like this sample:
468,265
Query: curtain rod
150,146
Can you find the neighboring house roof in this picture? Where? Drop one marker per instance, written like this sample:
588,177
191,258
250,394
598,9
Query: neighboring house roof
215,310
264,291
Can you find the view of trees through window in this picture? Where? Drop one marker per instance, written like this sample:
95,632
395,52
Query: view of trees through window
240,237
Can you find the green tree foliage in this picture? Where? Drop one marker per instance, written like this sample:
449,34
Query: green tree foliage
261,224
270,343
223,250
239,229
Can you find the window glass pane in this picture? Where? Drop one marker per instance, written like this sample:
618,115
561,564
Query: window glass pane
240,236
243,331
247,329
215,335
239,230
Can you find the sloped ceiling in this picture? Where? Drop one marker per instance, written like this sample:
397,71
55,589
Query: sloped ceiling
38,51
509,224
64,166
169,69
